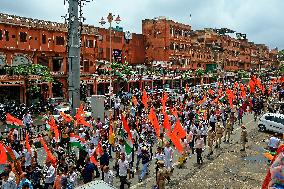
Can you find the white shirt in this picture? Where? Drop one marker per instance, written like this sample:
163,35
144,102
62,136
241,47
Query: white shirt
123,166
50,174
168,151
160,157
108,177
213,118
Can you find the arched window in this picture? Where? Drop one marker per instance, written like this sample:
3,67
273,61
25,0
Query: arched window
19,60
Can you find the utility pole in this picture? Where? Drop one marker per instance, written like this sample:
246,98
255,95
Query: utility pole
73,48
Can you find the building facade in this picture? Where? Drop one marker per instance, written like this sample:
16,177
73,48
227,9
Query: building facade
176,45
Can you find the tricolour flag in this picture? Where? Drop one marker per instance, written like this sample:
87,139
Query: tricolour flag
13,122
76,141
128,144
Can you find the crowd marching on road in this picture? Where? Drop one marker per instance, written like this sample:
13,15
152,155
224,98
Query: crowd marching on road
152,128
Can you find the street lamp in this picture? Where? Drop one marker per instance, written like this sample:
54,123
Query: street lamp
110,18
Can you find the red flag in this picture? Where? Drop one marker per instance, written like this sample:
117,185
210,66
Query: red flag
12,120
66,117
145,99
243,91
176,136
50,156
3,154
126,127
80,112
154,121
27,143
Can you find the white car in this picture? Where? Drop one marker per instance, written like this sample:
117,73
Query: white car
271,122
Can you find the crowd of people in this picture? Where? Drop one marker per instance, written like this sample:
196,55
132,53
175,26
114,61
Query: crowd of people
148,132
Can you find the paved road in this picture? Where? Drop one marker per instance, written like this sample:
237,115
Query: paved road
191,166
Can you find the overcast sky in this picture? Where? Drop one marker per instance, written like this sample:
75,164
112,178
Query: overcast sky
261,20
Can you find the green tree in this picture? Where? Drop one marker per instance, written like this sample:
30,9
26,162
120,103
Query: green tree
281,55
26,70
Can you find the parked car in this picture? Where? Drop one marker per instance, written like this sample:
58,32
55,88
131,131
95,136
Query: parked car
271,122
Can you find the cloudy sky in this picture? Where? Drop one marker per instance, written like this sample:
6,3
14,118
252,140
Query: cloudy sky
261,20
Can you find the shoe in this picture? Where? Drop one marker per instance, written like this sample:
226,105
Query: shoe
140,180
228,141
242,150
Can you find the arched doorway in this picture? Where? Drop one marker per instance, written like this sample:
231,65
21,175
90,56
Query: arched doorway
20,60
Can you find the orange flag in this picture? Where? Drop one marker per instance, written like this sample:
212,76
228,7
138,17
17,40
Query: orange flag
12,120
3,154
210,91
166,123
27,143
174,111
50,156
176,136
126,127
145,99
94,160
80,112
243,91
99,150
154,121
81,121
54,127
66,117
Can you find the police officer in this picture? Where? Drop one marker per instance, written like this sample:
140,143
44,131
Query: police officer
228,130
244,138
211,139
219,134
162,175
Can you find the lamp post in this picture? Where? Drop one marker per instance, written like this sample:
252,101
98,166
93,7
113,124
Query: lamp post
110,18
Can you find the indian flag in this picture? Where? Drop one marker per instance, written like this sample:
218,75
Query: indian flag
12,122
77,141
128,144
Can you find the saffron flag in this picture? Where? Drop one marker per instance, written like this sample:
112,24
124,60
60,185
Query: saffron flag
145,99
203,100
28,147
50,156
13,122
174,112
186,88
166,123
94,160
81,121
54,127
154,121
3,154
215,101
99,150
66,117
251,85
176,136
126,127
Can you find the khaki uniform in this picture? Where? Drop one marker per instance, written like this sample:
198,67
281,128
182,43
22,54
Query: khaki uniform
211,138
228,130
162,175
244,138
219,135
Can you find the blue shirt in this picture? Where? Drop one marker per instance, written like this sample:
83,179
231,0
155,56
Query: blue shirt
25,182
